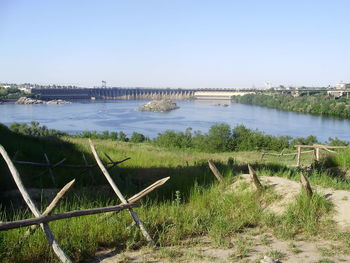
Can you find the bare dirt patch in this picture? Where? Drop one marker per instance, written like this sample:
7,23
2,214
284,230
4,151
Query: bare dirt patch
254,249
253,246
287,190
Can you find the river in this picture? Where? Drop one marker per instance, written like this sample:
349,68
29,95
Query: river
123,115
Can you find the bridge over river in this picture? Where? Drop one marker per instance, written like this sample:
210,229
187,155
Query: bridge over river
137,93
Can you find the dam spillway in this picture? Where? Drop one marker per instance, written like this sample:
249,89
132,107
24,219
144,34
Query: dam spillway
113,93
138,93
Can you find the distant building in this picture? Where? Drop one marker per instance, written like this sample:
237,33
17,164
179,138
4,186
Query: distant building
342,86
25,89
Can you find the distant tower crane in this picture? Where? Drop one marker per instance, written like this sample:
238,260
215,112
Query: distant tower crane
104,84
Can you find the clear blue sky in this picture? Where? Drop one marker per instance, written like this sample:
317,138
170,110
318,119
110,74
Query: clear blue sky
189,44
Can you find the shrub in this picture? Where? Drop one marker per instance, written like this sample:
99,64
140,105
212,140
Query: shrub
137,137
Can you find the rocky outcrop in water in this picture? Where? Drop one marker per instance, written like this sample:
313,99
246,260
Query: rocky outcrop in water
58,102
159,106
24,100
223,105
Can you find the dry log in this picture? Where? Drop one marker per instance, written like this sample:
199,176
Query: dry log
50,237
215,171
306,184
48,218
255,179
119,194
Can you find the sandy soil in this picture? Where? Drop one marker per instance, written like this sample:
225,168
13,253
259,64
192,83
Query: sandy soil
288,189
255,246
260,246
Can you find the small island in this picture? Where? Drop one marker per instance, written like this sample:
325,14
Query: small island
159,106
25,100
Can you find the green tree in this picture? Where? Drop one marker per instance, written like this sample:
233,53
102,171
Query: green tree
137,137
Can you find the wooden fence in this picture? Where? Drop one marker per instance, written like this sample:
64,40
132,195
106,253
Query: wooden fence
62,163
42,219
315,149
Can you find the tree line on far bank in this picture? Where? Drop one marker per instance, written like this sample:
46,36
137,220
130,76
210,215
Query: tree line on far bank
219,138
314,104
13,93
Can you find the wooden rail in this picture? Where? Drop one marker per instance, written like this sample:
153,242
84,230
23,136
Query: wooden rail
316,150
50,166
48,218
43,218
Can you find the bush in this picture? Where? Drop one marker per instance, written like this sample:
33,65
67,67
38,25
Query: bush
137,137
34,129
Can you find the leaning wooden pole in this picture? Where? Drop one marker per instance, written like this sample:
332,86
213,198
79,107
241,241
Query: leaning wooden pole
140,194
215,171
306,184
119,194
51,206
49,169
255,178
49,236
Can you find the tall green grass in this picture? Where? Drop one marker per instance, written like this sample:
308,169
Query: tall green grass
214,211
191,204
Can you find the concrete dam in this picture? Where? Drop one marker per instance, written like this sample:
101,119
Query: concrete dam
136,93
113,94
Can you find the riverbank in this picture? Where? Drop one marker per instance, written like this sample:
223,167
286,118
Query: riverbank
319,104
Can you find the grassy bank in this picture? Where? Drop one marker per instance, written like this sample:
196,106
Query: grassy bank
212,212
191,205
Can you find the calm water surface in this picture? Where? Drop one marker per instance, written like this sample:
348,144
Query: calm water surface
122,115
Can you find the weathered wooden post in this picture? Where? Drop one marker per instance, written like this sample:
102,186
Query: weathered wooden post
119,194
298,155
306,184
255,179
215,171
317,153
